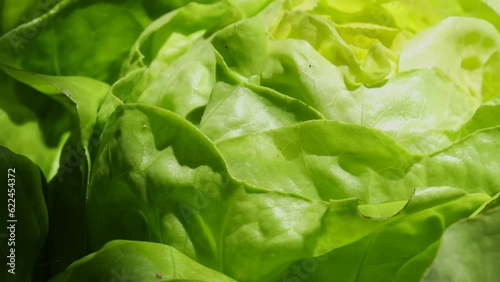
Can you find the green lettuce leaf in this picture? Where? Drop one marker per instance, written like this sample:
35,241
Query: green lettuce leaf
463,55
184,208
266,140
25,216
152,185
190,76
322,160
391,253
228,114
73,38
138,261
468,251
33,124
15,13
84,94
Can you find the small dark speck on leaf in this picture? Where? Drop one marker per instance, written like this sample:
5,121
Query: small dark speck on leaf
225,46
159,276
309,65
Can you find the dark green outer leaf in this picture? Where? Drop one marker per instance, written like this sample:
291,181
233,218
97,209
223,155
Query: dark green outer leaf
30,213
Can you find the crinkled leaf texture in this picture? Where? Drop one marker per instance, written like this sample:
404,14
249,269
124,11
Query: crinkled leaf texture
291,140
158,178
166,182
